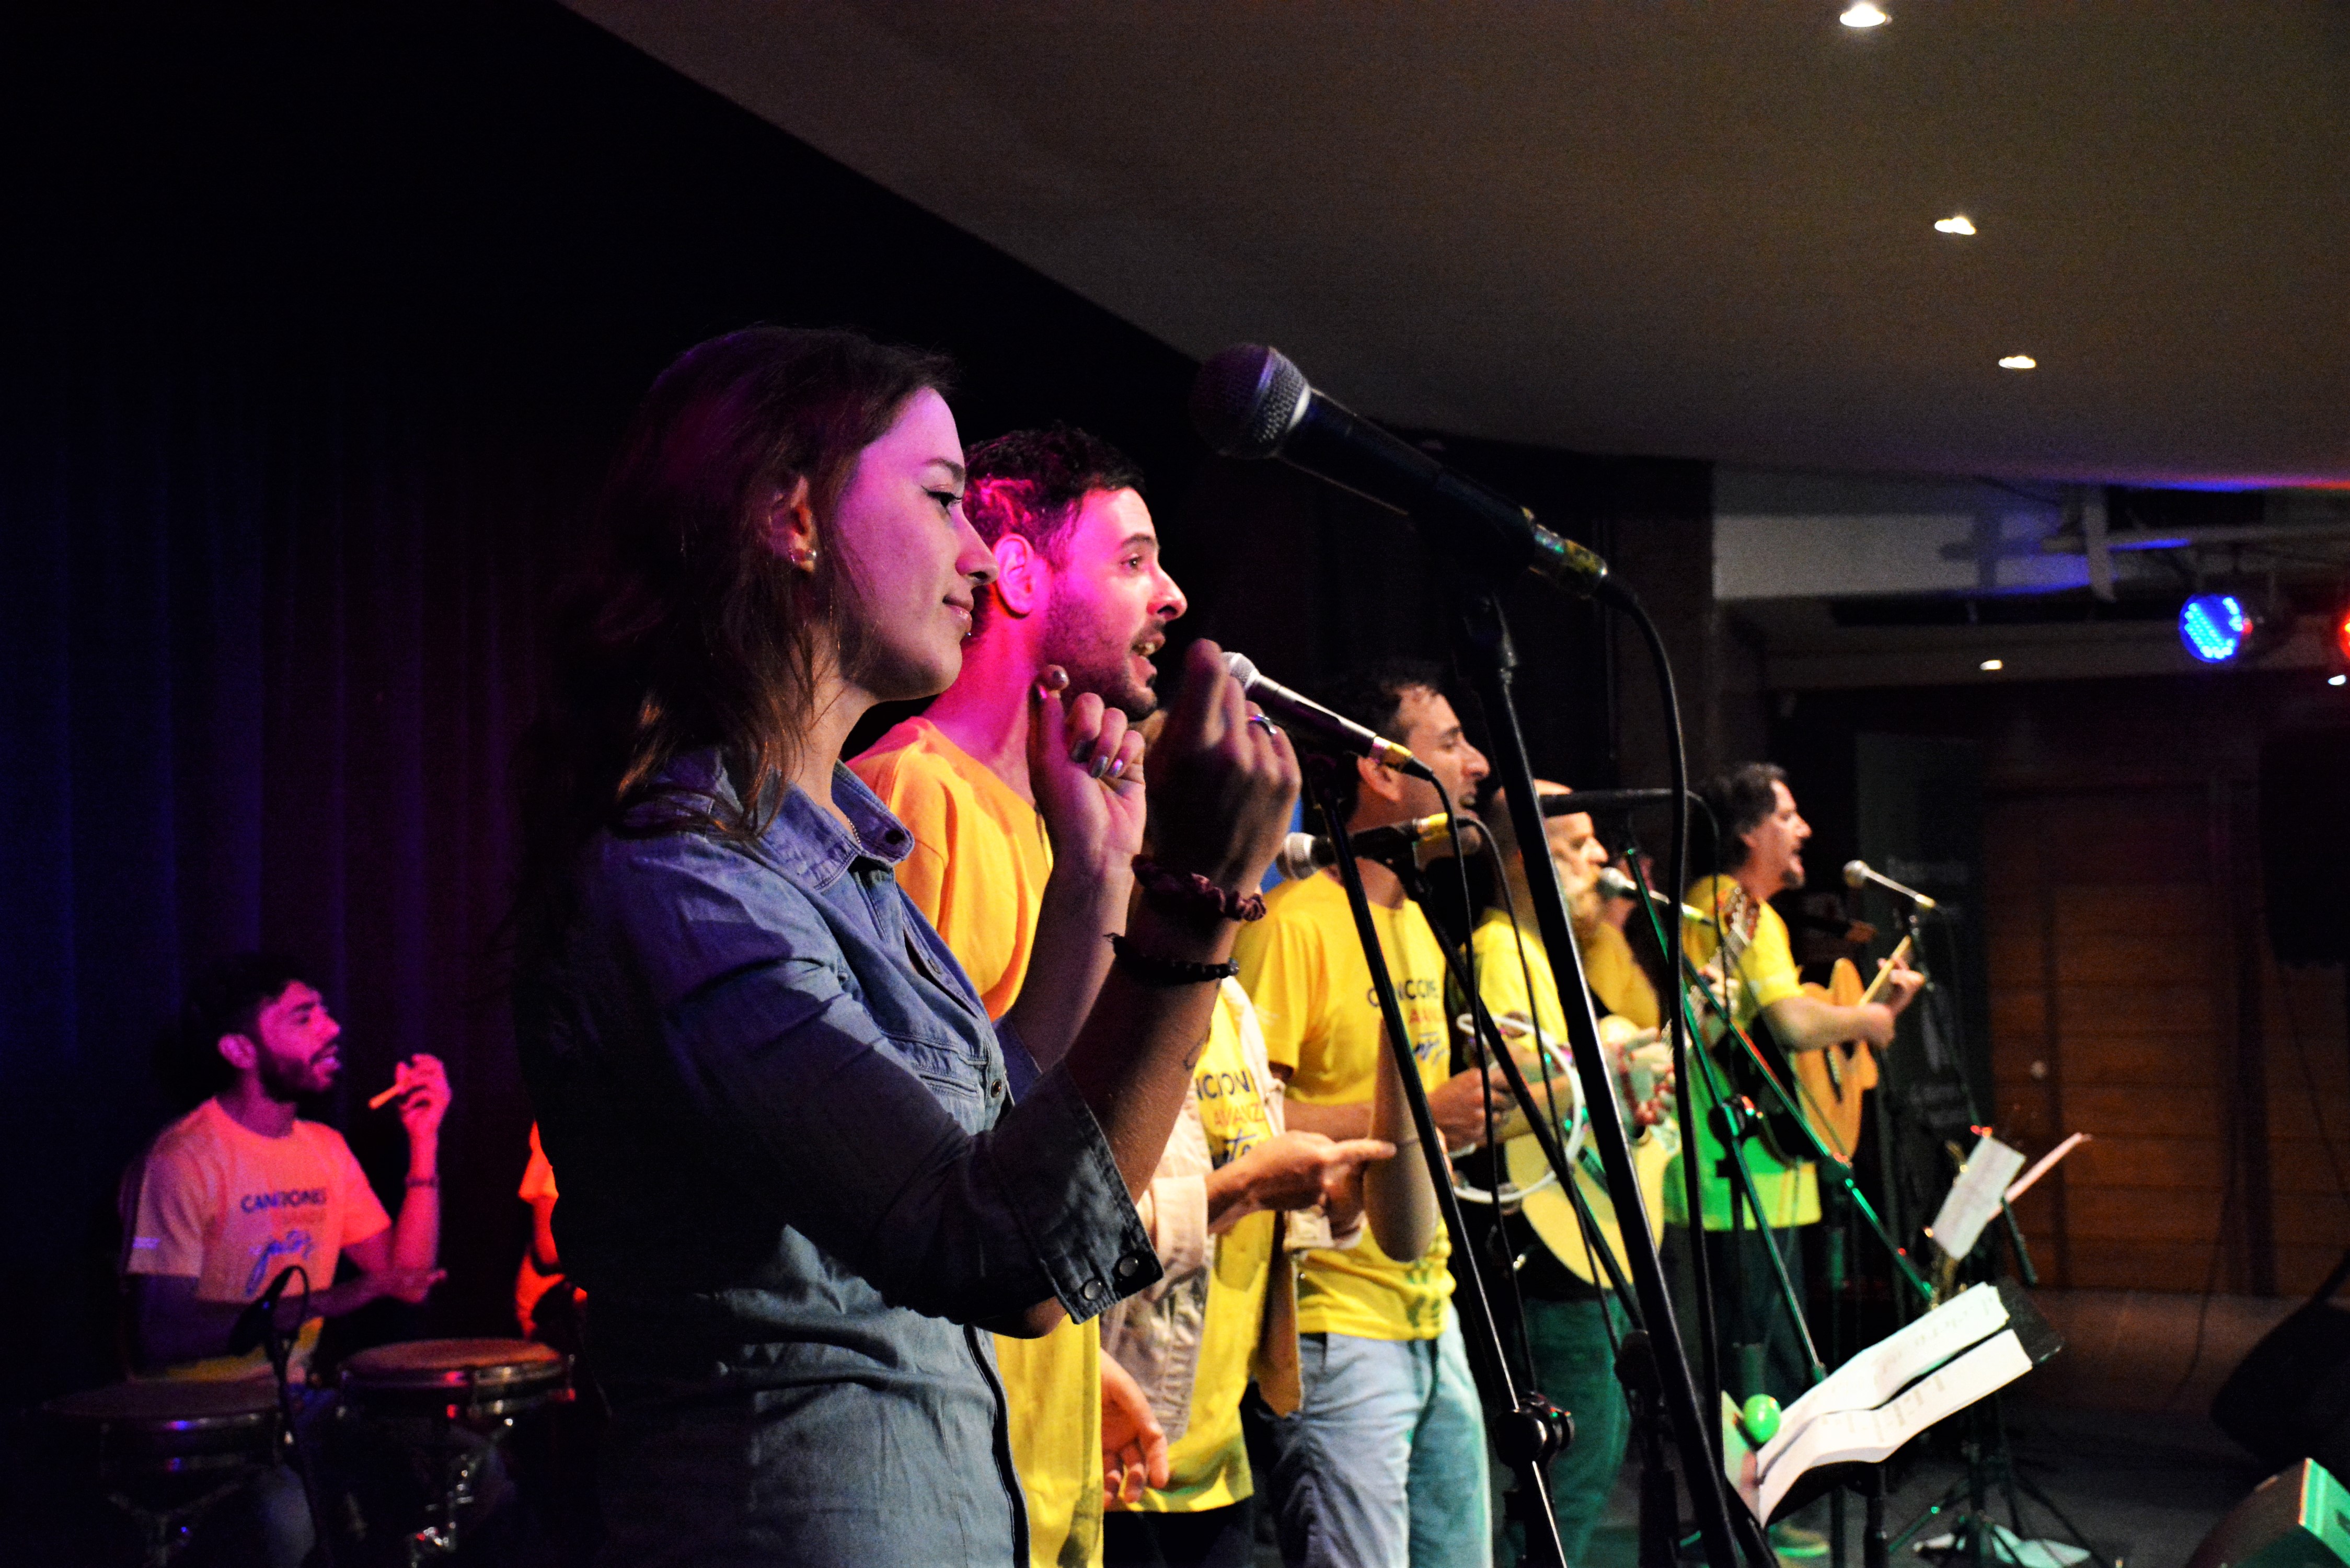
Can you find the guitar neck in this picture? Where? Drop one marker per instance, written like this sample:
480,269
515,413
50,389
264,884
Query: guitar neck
1885,972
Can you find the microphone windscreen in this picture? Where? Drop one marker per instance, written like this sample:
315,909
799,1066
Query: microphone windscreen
1243,667
1246,401
1855,873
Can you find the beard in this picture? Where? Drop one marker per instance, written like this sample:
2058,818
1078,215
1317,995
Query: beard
1096,659
1583,908
287,1082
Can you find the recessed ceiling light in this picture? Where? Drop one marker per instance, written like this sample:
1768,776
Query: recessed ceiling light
1994,664
2019,362
2338,680
1957,223
1863,14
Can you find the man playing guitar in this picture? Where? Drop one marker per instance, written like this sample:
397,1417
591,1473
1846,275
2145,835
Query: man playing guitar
1567,1300
1744,944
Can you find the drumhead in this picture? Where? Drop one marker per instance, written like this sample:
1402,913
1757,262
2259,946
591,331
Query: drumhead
163,1403
458,1364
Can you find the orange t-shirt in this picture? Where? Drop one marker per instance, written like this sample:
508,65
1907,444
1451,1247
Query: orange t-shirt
229,1208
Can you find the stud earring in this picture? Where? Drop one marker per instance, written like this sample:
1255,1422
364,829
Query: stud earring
802,557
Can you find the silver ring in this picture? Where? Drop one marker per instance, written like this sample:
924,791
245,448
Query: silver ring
1261,719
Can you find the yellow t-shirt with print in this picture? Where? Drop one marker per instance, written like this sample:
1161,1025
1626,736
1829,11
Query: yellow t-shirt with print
1790,1192
1615,977
1208,1466
977,870
1305,971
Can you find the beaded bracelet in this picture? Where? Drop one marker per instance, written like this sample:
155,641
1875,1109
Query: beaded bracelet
1152,970
1188,892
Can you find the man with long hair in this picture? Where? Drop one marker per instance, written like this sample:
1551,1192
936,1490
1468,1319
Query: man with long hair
1744,940
794,1182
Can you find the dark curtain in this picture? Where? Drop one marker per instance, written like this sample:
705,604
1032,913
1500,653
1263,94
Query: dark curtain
315,333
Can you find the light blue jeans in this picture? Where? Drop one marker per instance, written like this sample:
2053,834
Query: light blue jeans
1383,1464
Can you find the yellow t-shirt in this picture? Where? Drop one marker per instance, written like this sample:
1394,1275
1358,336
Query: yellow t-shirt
1208,1466
978,870
1305,971
1767,975
1615,977
980,858
229,1208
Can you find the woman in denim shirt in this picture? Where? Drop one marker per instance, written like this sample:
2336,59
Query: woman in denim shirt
797,1187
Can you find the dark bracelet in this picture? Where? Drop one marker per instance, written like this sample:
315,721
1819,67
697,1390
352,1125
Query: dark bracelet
1154,970
1189,893
424,1181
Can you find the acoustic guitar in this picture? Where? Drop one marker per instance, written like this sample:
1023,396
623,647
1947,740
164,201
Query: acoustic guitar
1829,1083
1532,1189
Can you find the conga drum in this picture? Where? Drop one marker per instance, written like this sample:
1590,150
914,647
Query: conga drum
430,1415
166,1451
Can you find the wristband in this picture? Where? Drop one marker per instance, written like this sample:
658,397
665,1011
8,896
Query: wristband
1189,893
424,1181
1154,970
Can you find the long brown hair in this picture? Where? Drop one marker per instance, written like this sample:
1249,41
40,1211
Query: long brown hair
683,627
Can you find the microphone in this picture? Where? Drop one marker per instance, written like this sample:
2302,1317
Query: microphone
1304,854
1250,401
1860,873
1619,885
253,1325
1314,721
1602,800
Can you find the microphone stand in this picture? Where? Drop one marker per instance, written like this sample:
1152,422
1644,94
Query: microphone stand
1490,660
1636,1356
1526,1432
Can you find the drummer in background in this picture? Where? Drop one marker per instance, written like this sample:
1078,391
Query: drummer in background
240,1189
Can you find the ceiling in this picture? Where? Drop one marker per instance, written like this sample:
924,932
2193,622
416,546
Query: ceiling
1637,226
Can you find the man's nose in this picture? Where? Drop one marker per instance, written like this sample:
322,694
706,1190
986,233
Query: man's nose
1168,603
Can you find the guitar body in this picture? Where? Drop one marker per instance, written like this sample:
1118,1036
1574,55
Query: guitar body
1782,1132
1552,1214
1830,1083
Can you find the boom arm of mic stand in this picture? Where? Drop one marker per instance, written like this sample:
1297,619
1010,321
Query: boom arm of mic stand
1484,1336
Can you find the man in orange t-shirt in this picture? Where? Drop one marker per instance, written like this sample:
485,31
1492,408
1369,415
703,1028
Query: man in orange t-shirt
1078,596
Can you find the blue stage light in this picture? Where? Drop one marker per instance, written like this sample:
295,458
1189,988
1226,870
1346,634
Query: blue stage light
2215,627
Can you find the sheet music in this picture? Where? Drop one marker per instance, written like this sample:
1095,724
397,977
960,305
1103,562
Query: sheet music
1975,1195
1892,1364
1863,1437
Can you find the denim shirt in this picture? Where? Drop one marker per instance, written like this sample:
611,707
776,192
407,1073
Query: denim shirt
792,1168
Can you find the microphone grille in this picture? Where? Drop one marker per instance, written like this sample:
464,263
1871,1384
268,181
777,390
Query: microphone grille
1296,859
1855,873
1246,401
1243,667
